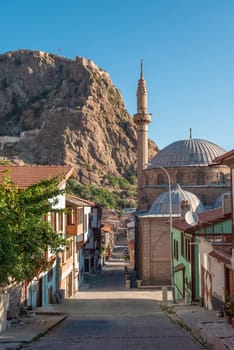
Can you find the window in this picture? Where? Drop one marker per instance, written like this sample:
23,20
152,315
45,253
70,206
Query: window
69,249
70,217
50,275
60,228
179,177
63,257
49,217
160,179
85,223
53,221
187,251
80,216
182,243
175,249
200,178
221,178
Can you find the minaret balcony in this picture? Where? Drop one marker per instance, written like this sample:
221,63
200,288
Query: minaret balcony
142,118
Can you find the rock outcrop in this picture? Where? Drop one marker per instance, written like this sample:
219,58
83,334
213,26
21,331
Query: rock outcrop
55,110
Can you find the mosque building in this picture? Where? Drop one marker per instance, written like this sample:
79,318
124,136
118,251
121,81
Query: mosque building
181,177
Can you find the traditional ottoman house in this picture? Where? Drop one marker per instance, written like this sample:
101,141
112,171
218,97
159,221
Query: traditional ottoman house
83,229
43,289
107,242
185,162
89,260
196,241
228,160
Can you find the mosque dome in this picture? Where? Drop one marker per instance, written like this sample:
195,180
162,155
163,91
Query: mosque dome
195,152
161,205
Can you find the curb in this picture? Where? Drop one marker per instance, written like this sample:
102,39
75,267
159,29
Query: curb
34,334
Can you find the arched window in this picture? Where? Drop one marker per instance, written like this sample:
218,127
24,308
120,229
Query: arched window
179,177
221,178
200,178
160,179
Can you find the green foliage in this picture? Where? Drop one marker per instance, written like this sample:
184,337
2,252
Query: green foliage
102,251
117,182
24,234
89,167
111,90
5,162
109,199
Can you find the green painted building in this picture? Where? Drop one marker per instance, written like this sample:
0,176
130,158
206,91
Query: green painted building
213,224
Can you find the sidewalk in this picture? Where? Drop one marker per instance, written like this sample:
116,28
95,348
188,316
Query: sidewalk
204,325
30,328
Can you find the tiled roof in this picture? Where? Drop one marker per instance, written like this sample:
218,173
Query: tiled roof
26,175
226,158
204,218
211,216
79,201
182,225
106,229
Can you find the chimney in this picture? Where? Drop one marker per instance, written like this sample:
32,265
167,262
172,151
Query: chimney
184,208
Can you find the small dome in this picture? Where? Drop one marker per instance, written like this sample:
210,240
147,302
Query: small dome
187,152
161,205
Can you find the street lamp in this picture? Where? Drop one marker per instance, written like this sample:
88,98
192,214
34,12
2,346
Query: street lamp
171,234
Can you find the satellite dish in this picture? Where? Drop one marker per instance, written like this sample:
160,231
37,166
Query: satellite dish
191,218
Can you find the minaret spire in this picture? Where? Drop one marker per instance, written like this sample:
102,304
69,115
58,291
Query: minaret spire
142,76
142,118
141,93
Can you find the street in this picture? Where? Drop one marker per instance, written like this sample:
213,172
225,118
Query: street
107,316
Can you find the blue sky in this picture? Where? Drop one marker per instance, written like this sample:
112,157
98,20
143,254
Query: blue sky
187,47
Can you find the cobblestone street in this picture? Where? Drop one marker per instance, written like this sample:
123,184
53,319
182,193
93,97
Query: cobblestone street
105,315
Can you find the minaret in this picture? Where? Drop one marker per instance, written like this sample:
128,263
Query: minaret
141,119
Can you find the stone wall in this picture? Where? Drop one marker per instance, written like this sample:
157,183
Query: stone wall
215,181
4,303
154,251
16,299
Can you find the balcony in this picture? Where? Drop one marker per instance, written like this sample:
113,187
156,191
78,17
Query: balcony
74,230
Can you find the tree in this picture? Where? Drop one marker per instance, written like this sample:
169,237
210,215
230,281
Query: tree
25,236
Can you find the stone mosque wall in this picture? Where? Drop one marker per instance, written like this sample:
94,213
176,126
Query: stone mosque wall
206,182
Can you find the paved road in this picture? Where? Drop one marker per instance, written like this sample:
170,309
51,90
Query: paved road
106,316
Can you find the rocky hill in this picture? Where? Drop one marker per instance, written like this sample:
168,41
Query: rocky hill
55,110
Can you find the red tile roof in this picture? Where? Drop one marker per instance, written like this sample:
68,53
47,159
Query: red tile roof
225,158
106,229
26,175
181,225
205,218
211,216
80,201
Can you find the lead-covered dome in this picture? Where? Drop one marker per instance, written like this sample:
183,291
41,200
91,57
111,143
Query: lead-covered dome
187,152
161,205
